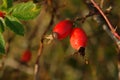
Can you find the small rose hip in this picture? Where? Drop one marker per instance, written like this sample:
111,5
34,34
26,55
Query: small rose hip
2,14
78,40
62,29
26,56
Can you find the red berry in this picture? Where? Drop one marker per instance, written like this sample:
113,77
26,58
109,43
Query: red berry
2,14
62,29
78,38
26,56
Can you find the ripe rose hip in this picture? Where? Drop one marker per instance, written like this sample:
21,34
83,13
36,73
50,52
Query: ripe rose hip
78,40
2,14
26,56
62,29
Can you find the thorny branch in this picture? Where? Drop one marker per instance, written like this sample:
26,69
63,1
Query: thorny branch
94,9
106,19
113,33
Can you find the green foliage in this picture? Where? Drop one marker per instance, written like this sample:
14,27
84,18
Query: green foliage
21,11
7,4
14,24
2,44
25,11
2,25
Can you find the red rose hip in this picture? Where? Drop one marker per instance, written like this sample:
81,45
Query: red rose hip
78,40
26,56
62,29
2,14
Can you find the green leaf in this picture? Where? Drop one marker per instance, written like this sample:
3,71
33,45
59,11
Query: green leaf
14,25
2,25
6,4
2,44
25,11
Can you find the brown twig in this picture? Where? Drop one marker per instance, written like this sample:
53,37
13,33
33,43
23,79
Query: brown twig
106,19
83,18
41,48
36,68
40,51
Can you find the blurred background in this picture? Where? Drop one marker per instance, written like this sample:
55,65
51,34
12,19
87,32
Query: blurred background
56,62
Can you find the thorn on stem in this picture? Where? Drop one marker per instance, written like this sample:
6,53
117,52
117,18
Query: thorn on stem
115,29
109,9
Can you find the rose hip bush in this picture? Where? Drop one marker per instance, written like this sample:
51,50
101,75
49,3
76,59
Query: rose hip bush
75,26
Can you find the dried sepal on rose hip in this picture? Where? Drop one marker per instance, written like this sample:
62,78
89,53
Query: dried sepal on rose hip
26,56
62,29
2,14
78,40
